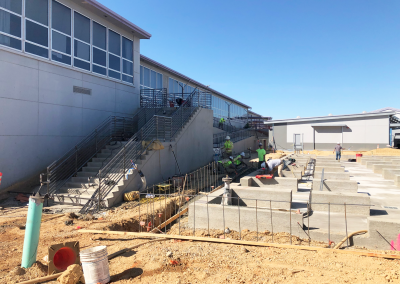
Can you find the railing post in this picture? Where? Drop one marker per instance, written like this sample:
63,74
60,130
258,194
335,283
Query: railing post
124,161
157,127
76,160
96,139
48,182
99,199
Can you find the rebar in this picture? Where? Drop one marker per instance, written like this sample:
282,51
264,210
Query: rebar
329,224
272,226
308,228
290,225
240,231
345,219
194,216
223,213
208,219
256,220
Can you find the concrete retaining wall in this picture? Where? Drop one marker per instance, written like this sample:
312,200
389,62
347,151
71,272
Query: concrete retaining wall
332,176
280,182
336,185
280,198
388,228
228,216
341,198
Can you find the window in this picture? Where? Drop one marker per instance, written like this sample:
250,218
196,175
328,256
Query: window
150,79
36,27
114,55
81,41
11,23
99,49
61,33
127,60
52,30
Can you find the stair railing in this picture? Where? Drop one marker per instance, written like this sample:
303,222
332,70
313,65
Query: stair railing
220,138
157,128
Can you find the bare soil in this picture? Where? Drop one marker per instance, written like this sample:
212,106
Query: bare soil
175,261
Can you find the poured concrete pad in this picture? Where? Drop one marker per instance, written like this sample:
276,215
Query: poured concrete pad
332,176
349,186
337,169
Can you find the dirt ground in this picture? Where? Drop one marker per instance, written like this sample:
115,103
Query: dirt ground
175,261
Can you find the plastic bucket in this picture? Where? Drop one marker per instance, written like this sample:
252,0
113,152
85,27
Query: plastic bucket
95,265
358,157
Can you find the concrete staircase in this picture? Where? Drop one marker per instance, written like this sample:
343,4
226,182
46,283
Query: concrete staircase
78,190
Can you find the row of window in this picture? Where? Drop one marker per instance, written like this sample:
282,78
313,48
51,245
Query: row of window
221,109
176,87
150,79
65,36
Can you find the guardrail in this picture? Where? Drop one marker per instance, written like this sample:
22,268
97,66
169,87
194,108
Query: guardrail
220,138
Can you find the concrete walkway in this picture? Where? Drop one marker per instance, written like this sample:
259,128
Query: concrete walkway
382,192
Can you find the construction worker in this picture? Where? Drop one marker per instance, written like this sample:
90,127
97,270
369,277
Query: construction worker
239,160
272,166
338,149
261,154
228,165
221,123
228,146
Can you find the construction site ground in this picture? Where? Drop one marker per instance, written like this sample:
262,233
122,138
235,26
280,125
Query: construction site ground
187,261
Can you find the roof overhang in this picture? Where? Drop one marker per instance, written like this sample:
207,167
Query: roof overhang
329,124
331,117
190,80
114,18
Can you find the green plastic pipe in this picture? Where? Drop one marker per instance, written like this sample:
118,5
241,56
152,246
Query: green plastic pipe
32,230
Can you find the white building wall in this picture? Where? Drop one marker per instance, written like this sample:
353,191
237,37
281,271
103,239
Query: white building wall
41,117
373,130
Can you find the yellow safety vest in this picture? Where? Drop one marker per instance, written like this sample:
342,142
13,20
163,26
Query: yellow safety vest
228,145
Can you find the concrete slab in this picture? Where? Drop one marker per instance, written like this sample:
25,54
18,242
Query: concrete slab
370,164
350,186
378,168
279,182
356,203
337,169
332,176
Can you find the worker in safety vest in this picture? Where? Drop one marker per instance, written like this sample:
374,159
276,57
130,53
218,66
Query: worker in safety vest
261,154
239,160
228,146
221,123
228,165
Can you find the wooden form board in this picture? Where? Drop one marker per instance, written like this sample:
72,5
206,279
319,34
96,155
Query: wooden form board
238,242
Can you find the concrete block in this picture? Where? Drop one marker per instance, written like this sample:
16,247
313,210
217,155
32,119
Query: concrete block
395,162
329,169
364,161
356,203
370,165
332,176
248,181
218,217
280,198
378,168
336,185
280,182
397,180
388,228
390,173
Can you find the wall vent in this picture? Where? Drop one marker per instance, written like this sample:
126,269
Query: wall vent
81,90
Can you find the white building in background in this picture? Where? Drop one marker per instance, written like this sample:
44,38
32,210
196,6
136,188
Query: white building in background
363,131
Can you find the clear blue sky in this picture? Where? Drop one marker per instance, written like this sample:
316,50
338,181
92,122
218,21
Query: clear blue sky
283,58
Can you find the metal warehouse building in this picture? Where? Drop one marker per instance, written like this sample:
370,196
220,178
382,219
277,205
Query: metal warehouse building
363,131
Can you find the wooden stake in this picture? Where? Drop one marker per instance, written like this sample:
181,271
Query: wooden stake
249,243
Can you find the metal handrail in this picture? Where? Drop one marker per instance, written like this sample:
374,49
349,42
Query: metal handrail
158,128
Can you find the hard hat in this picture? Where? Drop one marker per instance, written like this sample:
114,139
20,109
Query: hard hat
338,142
242,154
263,165
259,144
231,157
228,138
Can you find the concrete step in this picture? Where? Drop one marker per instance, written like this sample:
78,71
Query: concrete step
105,155
90,169
86,174
95,164
72,198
